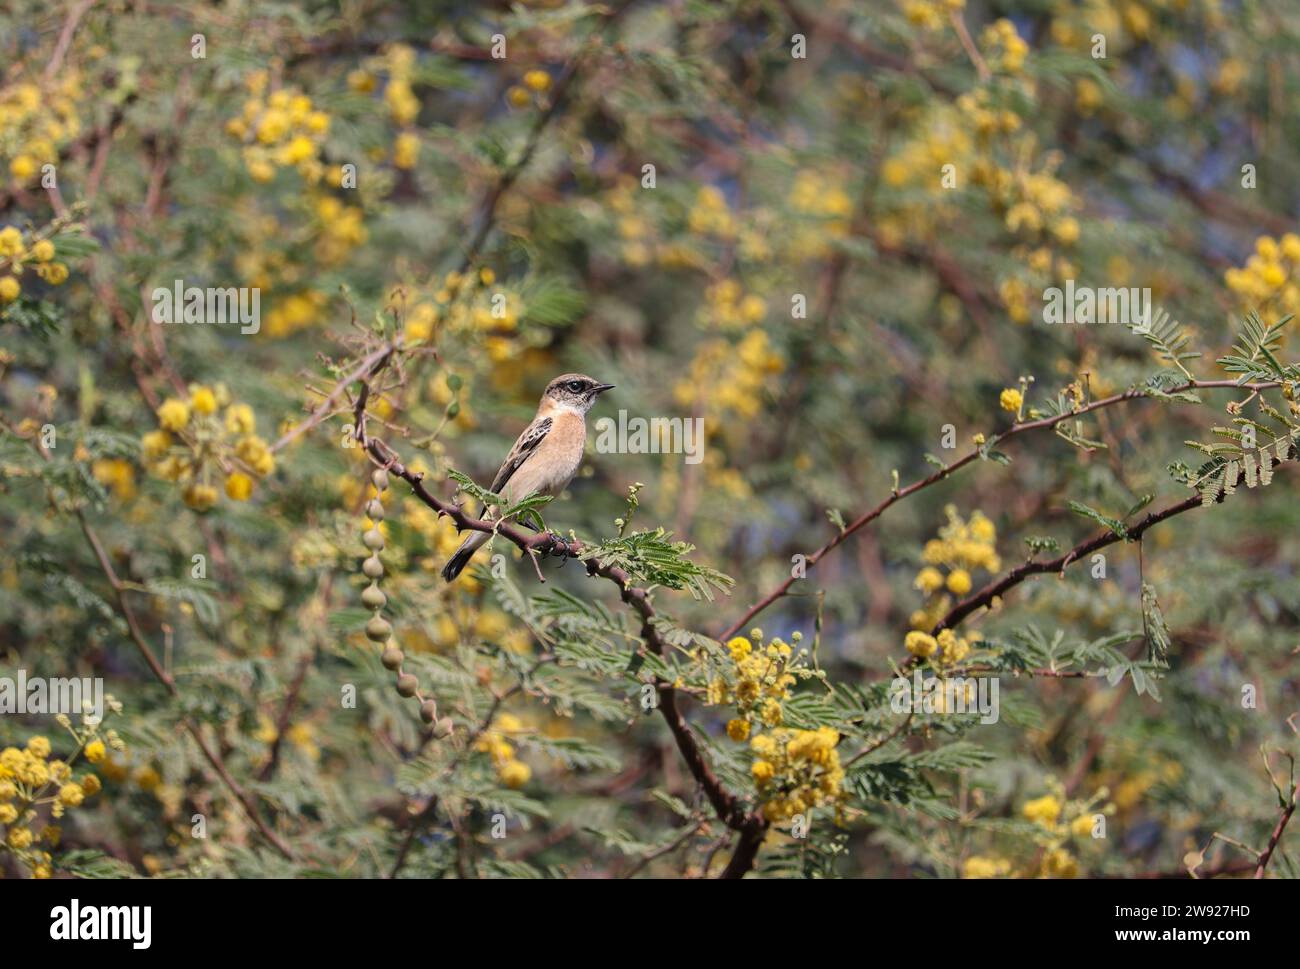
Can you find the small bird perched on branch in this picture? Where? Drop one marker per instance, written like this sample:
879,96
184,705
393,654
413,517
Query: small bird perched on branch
546,455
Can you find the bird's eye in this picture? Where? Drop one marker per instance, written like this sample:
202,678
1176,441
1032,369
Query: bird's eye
575,386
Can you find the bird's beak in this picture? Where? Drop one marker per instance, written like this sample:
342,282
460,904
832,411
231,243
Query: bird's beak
601,388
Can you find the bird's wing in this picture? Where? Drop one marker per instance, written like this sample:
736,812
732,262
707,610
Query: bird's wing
532,436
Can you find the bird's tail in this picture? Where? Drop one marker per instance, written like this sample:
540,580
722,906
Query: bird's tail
456,564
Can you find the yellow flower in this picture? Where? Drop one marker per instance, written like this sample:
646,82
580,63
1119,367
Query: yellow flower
740,648
9,289
147,778
737,729
155,444
71,794
406,150
1082,825
1067,230
978,867
518,97
762,771
54,273
515,774
174,414
537,81
39,747
43,251
239,486
22,168
200,497
920,644
1011,399
1061,864
929,580
20,838
240,419
959,582
203,400
8,813
1044,810
91,785
11,241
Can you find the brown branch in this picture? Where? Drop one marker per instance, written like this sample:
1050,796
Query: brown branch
729,808
937,476
1022,572
1278,830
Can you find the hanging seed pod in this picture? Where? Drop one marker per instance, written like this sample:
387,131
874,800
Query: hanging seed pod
444,728
374,540
392,658
372,597
407,684
373,568
428,711
379,478
375,509
378,630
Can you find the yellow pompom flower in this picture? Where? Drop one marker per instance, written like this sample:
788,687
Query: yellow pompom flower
155,444
929,580
240,419
1044,810
920,644
203,400
174,414
200,497
43,251
95,751
239,486
71,794
959,582
737,729
54,273
9,289
1010,399
740,648
537,81
515,774
20,838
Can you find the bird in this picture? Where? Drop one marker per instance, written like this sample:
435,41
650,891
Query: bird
546,455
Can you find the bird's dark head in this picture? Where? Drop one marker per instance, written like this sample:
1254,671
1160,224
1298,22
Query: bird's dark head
574,391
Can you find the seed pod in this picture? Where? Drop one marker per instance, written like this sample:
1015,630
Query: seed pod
374,540
375,509
379,478
372,597
407,684
444,728
428,711
392,658
378,629
373,568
